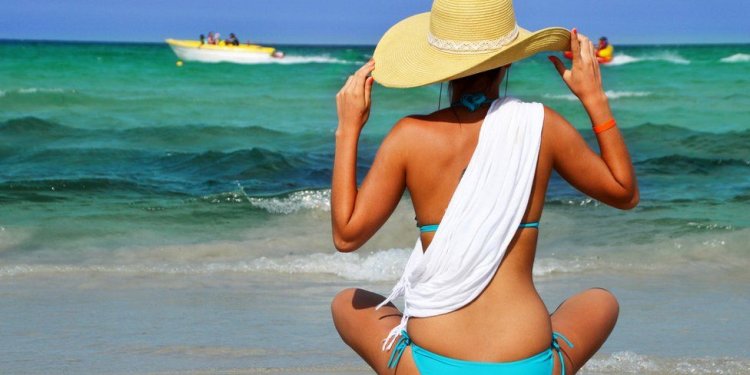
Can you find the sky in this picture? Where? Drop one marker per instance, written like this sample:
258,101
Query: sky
359,21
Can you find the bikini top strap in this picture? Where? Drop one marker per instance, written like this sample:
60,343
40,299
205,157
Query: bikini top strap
472,101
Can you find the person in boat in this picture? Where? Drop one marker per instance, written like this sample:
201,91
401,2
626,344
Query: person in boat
203,39
211,38
604,50
477,173
603,43
232,40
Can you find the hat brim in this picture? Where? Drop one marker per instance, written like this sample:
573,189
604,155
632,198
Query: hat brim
404,58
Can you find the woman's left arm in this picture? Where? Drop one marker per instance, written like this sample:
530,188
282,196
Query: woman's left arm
357,214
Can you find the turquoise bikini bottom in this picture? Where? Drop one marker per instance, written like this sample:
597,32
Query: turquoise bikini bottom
429,363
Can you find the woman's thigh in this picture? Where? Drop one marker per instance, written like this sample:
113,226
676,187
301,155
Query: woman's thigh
363,328
586,319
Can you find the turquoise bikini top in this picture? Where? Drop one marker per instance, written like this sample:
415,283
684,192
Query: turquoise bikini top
433,227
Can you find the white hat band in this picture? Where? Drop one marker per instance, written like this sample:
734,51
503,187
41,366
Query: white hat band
469,47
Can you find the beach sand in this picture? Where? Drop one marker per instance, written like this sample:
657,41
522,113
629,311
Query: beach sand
238,323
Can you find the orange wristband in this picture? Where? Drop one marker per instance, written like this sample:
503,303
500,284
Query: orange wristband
603,127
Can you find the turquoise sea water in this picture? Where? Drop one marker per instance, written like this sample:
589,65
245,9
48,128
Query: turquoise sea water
125,179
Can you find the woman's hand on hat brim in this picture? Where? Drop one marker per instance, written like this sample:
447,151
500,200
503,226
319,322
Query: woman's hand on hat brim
353,101
584,78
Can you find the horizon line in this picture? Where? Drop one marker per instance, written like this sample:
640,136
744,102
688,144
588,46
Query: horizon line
76,41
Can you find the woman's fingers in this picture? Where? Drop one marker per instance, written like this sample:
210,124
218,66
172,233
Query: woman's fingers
575,45
366,69
367,81
558,65
368,90
594,69
344,88
357,82
597,71
585,49
357,86
584,77
353,100
361,75
365,72
348,85
594,60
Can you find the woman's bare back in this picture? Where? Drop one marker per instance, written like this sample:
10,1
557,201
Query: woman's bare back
427,155
508,321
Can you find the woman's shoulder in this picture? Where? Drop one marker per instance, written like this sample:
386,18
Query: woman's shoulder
441,115
552,118
403,133
417,131
420,123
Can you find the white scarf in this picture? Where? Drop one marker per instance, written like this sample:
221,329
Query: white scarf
481,219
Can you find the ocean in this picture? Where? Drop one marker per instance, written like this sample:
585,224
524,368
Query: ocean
160,219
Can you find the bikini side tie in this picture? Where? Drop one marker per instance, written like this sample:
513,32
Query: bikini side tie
556,347
398,351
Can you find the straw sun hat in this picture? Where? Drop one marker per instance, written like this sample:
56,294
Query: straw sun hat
456,39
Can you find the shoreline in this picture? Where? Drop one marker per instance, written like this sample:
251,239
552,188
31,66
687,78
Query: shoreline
280,323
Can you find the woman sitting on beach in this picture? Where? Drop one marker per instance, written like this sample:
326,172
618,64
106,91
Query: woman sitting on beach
477,174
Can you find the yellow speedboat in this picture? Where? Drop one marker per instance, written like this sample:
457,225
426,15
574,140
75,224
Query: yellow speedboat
194,50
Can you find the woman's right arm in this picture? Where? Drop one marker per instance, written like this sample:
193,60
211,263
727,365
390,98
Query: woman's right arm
609,177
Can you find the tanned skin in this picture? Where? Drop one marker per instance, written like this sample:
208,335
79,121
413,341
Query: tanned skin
427,155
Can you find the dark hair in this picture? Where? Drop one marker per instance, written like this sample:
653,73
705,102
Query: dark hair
479,82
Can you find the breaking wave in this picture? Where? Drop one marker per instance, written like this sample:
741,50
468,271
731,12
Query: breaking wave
381,265
736,58
666,56
36,90
315,59
611,94
632,363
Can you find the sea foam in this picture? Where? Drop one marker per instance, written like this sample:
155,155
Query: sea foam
628,362
313,59
736,58
708,249
299,200
612,95
665,56
283,204
37,90
381,265
376,266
